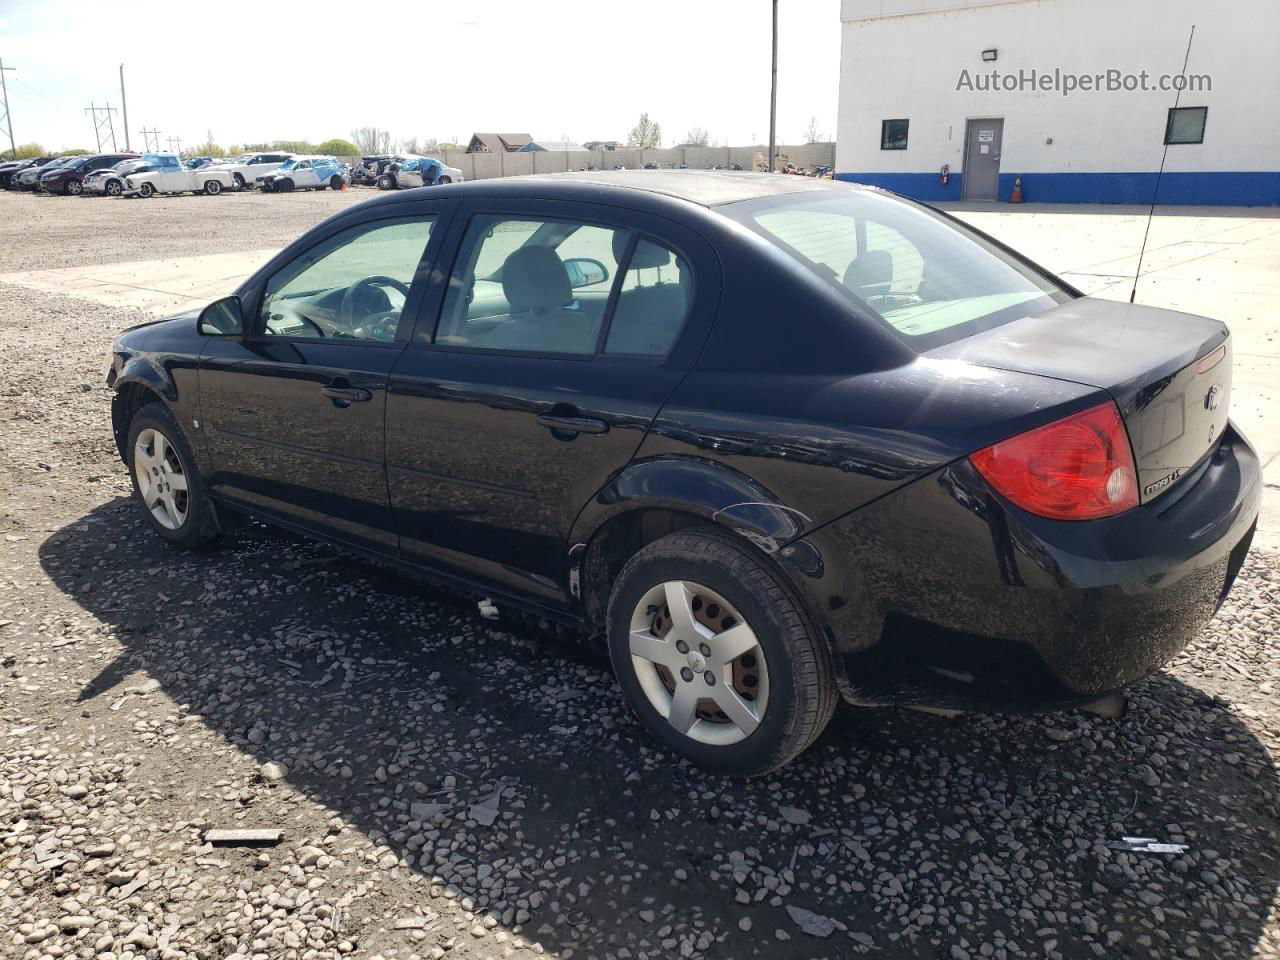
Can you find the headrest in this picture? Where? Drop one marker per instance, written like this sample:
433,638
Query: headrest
871,267
645,256
534,278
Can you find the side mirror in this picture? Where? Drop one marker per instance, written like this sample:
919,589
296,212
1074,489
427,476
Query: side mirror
583,272
222,318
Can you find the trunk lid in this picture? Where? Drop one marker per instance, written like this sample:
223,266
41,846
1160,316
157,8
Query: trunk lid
1169,372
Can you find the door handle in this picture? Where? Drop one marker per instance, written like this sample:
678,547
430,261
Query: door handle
343,396
572,424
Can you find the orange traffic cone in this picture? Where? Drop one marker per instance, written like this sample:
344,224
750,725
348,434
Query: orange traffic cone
1016,196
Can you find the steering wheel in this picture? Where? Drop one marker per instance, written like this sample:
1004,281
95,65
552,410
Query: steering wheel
346,312
378,326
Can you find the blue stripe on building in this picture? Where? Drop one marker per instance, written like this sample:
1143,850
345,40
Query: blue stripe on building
1213,189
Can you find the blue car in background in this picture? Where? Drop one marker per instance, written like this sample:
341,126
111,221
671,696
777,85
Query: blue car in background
304,172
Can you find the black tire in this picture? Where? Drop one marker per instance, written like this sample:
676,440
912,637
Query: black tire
200,525
113,188
283,186
213,187
387,182
445,179
237,181
802,688
73,187
335,182
145,190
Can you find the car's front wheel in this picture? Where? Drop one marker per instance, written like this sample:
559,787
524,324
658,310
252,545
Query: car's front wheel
166,482
386,182
145,190
715,656
113,188
445,179
73,187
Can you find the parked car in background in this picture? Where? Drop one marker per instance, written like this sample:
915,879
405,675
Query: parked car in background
248,167
166,174
69,177
304,172
408,172
367,171
110,182
9,170
776,440
195,163
28,178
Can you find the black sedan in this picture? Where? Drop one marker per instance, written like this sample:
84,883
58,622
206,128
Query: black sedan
774,440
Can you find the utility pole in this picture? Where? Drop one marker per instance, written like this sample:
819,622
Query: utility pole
124,106
100,122
171,141
150,139
773,93
13,146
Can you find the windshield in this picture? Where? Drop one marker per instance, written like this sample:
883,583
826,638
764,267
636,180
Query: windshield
932,281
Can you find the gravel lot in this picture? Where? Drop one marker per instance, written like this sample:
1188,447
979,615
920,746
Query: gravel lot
450,786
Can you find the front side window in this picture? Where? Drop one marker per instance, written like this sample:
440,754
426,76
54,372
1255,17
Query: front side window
893,134
352,286
930,280
1185,125
530,285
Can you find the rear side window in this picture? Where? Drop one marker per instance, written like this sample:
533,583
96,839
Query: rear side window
930,280
652,302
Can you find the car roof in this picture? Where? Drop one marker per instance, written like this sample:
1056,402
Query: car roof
707,188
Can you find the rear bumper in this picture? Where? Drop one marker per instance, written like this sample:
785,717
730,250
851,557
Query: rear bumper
943,594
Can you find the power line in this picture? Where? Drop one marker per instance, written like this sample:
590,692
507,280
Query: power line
124,106
102,118
150,139
171,141
8,121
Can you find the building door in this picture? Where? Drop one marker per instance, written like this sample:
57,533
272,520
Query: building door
982,159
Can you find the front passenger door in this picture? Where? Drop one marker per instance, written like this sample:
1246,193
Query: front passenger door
292,413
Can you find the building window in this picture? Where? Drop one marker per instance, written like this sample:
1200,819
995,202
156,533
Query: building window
893,134
1185,125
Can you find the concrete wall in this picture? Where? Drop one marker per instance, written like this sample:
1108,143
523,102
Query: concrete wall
903,59
482,166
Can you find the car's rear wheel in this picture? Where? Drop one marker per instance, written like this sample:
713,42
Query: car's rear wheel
715,655
166,482
386,182
213,187
237,181
445,179
113,188
73,188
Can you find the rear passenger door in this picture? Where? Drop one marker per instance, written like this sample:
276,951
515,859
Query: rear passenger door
562,329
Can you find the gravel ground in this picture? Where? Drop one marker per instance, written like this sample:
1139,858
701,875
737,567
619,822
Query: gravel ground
450,786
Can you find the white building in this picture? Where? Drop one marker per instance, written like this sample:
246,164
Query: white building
955,99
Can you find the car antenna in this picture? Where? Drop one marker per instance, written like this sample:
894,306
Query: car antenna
1152,212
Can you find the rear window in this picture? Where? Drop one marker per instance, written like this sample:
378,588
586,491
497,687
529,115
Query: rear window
928,279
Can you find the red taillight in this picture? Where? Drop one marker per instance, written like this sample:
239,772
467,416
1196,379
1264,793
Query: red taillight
1076,468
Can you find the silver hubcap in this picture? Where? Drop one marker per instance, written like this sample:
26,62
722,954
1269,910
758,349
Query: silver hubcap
161,479
699,663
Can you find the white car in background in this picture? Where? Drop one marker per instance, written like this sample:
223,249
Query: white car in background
407,172
304,172
167,174
248,167
110,182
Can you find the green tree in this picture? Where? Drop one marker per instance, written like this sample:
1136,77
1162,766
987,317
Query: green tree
77,152
338,147
645,133
26,151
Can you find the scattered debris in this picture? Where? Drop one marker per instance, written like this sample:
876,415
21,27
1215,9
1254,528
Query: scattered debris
247,837
485,812
794,815
1146,845
487,609
814,924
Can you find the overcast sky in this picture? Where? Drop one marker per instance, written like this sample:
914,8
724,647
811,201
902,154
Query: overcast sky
293,69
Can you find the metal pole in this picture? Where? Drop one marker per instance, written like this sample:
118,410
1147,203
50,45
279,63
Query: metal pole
92,110
124,105
13,146
773,93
